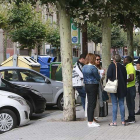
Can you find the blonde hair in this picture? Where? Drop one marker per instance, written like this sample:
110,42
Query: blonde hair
90,58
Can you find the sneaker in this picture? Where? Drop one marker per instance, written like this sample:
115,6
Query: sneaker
93,124
130,121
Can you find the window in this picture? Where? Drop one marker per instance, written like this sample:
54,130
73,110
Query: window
29,76
2,85
10,75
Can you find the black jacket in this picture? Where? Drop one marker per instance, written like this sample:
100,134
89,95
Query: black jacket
122,78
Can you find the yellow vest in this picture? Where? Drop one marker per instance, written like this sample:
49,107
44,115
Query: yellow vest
130,70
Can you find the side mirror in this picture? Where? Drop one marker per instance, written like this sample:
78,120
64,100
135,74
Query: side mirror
47,81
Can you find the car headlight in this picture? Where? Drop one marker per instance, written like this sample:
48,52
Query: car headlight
19,99
37,92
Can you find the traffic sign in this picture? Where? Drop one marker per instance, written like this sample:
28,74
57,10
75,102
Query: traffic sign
74,39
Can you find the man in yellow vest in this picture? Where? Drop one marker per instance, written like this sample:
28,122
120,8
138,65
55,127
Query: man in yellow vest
131,89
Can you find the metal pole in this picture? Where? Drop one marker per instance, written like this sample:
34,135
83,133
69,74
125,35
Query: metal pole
15,57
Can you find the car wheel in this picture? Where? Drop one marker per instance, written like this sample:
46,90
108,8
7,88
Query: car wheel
60,102
8,120
31,108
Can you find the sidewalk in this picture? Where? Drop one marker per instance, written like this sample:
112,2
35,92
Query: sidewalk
53,128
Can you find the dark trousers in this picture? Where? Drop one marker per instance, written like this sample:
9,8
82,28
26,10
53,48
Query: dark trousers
82,94
92,91
130,100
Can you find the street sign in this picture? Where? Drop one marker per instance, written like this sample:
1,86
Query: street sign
74,39
75,34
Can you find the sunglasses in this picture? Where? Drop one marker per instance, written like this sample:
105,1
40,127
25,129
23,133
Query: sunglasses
98,59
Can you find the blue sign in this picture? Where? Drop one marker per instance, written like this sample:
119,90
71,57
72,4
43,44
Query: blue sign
74,39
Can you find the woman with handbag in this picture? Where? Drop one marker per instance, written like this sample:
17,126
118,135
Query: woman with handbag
91,80
117,74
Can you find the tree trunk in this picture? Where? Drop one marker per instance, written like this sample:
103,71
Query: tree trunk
29,52
5,43
114,51
130,38
95,52
38,49
138,51
106,42
69,113
57,54
84,39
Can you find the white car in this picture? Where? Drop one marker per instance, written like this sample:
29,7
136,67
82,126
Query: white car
14,111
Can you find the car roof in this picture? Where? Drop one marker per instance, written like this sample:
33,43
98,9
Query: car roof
15,68
12,67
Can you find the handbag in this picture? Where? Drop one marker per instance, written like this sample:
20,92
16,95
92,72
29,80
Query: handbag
105,96
111,86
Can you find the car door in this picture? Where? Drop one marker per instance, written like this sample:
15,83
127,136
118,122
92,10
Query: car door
36,81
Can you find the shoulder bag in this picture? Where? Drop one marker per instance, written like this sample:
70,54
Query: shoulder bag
111,86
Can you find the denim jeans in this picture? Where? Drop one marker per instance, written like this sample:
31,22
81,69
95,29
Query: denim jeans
130,100
115,100
82,94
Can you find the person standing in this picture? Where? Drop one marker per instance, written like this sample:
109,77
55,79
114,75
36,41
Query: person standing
99,105
131,89
77,78
138,68
91,80
118,98
98,65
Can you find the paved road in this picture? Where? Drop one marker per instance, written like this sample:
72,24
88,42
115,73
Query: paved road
51,127
49,110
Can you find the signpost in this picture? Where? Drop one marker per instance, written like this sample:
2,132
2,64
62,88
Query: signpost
75,34
76,39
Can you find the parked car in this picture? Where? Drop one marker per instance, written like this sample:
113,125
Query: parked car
51,90
34,99
14,111
134,59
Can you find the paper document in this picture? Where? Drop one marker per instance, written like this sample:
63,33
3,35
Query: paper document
101,73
